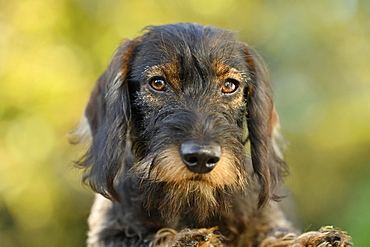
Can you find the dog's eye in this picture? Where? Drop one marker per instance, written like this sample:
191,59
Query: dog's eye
229,86
158,83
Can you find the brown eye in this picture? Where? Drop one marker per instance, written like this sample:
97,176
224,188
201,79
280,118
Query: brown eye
158,83
230,86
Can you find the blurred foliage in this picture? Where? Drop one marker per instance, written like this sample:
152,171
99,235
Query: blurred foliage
52,51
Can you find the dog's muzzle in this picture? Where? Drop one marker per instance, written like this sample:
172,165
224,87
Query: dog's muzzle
199,157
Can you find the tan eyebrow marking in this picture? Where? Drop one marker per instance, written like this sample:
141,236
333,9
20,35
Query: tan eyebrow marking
169,71
224,71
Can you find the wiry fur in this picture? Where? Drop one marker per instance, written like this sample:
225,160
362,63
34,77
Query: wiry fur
152,198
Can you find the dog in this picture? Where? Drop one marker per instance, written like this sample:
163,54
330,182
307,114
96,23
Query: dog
185,147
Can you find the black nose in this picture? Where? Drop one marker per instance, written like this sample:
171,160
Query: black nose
200,158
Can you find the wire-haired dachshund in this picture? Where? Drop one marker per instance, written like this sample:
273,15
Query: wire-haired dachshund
185,148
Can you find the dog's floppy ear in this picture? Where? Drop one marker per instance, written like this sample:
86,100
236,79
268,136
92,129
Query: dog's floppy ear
263,127
108,114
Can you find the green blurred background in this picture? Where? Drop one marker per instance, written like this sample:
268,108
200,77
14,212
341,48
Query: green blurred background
52,52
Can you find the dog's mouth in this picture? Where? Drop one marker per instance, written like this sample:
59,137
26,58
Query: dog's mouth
196,178
199,180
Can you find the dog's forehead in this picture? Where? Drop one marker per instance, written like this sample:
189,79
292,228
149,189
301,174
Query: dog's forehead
186,42
188,51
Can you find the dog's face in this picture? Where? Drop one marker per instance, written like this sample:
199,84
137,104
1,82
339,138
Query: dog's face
181,95
188,106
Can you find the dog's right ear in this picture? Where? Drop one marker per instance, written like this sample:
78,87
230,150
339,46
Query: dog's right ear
108,114
263,128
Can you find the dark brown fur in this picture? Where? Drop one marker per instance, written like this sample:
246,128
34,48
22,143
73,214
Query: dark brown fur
135,159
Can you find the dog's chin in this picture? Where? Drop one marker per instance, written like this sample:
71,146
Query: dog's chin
193,199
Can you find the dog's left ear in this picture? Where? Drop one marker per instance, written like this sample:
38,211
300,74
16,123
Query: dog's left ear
263,127
108,114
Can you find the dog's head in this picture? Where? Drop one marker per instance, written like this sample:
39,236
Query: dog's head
179,98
